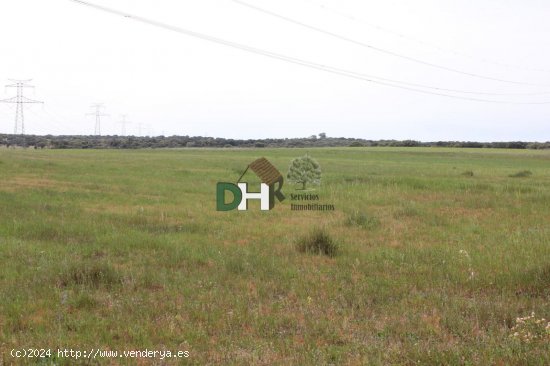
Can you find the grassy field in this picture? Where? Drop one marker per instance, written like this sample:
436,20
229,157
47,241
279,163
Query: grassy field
439,251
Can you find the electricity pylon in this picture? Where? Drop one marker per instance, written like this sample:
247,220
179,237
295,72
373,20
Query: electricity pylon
98,114
123,123
20,100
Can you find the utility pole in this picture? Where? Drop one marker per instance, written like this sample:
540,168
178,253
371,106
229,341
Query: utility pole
98,107
124,122
20,100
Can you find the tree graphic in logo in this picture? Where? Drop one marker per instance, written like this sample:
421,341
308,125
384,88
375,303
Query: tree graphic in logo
304,170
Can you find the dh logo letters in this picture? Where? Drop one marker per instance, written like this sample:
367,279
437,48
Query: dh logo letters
241,196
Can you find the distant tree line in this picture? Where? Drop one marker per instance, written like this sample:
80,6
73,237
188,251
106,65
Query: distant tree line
157,142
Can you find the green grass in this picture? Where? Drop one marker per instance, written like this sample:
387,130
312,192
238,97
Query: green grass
124,250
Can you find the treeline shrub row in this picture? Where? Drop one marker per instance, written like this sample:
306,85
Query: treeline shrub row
134,142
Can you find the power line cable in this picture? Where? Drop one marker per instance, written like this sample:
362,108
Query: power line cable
378,49
293,60
440,48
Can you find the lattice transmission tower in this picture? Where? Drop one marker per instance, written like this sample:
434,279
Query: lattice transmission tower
98,113
20,100
123,123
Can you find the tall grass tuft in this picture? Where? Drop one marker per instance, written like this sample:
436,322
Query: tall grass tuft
91,275
362,220
521,174
318,241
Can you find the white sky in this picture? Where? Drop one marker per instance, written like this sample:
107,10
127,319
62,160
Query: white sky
77,56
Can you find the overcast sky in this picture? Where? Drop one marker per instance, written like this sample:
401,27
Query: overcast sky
181,85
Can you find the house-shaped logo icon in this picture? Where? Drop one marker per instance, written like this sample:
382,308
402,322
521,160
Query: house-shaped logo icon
270,188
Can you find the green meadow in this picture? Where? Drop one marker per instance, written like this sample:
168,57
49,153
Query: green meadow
437,252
